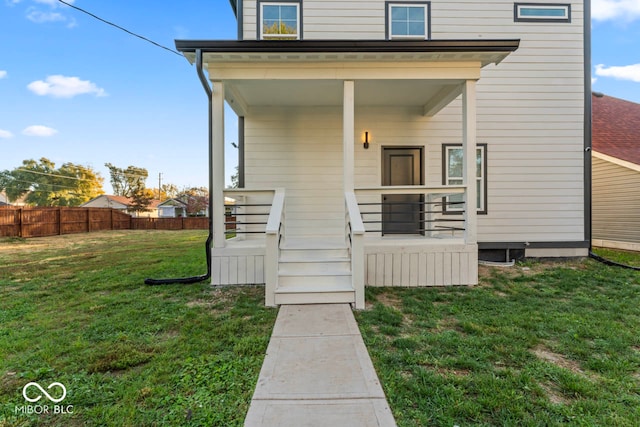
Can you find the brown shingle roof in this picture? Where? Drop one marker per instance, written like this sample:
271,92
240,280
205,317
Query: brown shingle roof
616,127
127,201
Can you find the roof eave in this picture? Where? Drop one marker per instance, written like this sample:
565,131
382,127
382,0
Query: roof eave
346,46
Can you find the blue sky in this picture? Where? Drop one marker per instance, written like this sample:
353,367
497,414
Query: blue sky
74,89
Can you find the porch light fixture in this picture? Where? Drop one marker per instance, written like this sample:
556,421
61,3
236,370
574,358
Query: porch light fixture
366,140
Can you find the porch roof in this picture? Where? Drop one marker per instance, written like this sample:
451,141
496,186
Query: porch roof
414,73
485,51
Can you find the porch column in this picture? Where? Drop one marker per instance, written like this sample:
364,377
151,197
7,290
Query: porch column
469,159
348,130
217,186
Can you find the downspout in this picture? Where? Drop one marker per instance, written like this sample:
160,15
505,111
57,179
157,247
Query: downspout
196,279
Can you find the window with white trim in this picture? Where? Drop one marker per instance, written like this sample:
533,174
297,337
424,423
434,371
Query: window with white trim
541,12
409,20
452,175
280,20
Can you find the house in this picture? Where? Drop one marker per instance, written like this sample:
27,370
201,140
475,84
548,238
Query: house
3,200
392,143
123,204
172,208
616,173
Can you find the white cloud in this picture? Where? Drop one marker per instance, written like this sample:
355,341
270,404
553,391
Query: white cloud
3,74
624,10
53,3
5,134
39,17
38,130
625,72
593,80
60,86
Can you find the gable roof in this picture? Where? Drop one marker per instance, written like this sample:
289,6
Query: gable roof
125,201
616,127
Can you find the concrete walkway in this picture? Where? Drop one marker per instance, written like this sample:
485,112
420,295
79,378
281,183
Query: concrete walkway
317,372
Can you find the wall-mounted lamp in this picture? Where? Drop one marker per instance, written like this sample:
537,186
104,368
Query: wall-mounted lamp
366,140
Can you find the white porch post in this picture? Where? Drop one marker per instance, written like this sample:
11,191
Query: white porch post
348,130
469,159
217,186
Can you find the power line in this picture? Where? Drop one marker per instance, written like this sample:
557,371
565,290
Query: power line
121,28
53,174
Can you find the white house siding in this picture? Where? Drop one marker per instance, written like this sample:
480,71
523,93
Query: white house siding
616,205
530,115
300,150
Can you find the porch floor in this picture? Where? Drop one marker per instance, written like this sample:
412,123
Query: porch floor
317,372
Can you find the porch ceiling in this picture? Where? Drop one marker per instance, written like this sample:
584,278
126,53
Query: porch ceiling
425,74
305,93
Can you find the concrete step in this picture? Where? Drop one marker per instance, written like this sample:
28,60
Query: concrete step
314,290
320,268
312,255
315,283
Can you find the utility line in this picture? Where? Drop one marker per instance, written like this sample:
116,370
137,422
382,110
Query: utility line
53,174
121,28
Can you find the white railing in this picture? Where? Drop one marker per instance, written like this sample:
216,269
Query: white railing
438,215
354,235
247,212
273,237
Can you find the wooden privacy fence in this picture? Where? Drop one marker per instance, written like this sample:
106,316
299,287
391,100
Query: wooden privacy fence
41,222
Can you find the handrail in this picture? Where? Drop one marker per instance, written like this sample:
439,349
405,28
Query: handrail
444,190
275,216
355,219
355,232
272,246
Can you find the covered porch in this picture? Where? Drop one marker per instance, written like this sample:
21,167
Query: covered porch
316,219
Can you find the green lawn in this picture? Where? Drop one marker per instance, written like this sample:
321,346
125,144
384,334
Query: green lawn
537,344
74,310
534,345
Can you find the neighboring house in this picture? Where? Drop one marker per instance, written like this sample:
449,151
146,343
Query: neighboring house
395,142
123,204
616,173
172,208
3,200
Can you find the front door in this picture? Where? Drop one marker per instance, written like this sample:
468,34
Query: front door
402,213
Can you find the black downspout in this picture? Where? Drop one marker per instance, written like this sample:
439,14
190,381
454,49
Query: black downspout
196,279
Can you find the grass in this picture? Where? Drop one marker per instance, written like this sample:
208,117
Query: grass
74,309
535,345
619,256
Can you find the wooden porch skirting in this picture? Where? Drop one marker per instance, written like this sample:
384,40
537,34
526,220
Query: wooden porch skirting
420,262
388,262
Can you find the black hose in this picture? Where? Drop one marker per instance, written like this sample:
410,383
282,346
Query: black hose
612,263
196,279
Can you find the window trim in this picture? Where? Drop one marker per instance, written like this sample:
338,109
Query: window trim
427,19
519,18
483,209
261,3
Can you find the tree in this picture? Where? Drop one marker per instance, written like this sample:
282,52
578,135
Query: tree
42,184
196,199
126,182
130,182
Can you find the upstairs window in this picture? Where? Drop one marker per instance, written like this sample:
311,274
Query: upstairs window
280,21
542,12
408,20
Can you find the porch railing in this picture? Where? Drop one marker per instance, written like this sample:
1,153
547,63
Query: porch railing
273,238
247,211
436,213
354,234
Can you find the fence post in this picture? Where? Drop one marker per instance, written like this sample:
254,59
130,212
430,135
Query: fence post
20,226
59,221
89,220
